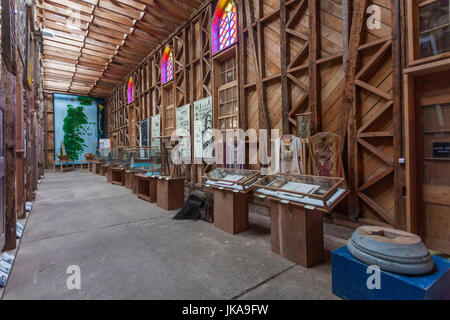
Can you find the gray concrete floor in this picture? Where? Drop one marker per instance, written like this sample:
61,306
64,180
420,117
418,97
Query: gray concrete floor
127,248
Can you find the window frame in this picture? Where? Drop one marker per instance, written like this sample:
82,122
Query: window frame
413,34
215,47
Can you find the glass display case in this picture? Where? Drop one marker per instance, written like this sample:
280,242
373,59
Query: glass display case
144,159
102,154
117,157
320,193
231,179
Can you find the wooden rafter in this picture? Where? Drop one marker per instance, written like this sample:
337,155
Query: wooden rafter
103,38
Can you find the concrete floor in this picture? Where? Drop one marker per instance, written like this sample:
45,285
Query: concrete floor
127,248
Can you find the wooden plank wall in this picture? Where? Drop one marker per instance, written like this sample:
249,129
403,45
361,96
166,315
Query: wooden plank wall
299,54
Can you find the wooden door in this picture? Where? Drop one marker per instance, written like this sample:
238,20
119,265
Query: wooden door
2,174
433,160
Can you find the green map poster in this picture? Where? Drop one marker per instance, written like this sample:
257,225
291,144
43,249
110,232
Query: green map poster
76,126
183,120
203,138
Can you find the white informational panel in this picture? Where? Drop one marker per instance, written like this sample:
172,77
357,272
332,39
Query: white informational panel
104,143
203,122
183,120
156,131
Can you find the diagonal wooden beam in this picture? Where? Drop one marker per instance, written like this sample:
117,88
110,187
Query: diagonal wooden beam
264,120
377,208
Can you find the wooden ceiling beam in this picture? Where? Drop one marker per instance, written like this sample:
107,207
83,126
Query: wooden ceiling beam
64,11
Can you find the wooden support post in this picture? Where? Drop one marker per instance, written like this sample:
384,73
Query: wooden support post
399,202
285,103
10,159
20,162
349,122
263,111
314,54
242,69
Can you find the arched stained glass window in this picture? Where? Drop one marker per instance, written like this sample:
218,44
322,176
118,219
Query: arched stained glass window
130,91
167,66
224,30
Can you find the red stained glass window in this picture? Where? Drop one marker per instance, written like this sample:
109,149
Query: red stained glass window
167,66
227,26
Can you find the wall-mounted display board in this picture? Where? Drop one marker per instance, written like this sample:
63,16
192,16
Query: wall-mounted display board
203,123
156,132
231,179
28,51
101,118
144,128
76,125
320,193
21,28
183,123
9,35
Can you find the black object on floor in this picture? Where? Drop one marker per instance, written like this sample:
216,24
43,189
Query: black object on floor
197,207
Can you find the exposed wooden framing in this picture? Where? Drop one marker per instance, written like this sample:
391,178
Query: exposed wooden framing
349,122
354,99
285,101
314,53
264,119
9,122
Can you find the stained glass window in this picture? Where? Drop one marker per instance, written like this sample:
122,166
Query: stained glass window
224,25
167,66
130,91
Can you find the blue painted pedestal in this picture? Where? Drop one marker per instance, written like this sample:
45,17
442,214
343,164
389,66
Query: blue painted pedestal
349,281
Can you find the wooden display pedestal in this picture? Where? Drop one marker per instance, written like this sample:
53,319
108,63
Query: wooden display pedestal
103,169
134,182
230,211
170,193
117,176
108,174
147,188
297,233
128,175
96,165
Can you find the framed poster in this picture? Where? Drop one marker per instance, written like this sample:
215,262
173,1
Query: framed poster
144,130
183,126
21,28
9,35
304,125
203,122
104,144
156,131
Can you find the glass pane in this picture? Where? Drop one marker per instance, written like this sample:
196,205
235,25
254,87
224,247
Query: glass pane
229,95
436,144
434,28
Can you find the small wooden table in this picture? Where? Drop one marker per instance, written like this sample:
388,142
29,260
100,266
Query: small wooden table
117,176
231,211
296,233
96,165
147,187
104,169
231,197
297,216
170,194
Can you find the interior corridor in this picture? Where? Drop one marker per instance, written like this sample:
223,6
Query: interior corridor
127,248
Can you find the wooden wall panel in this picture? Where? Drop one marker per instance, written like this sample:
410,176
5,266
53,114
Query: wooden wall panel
297,78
